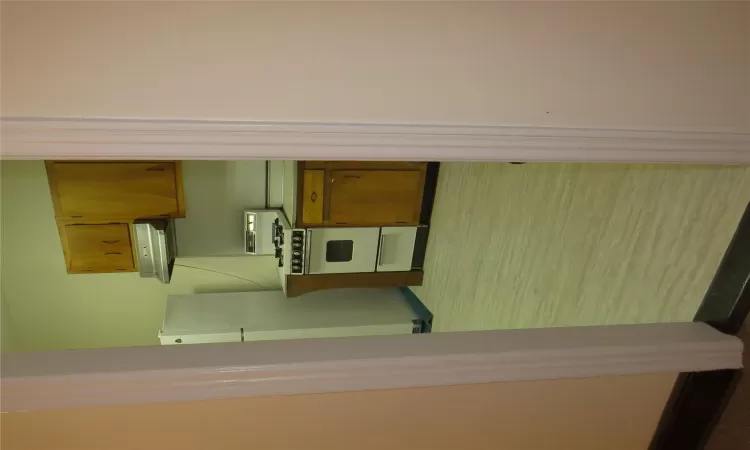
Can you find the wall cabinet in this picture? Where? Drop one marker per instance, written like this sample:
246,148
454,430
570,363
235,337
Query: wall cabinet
360,193
96,248
96,203
120,190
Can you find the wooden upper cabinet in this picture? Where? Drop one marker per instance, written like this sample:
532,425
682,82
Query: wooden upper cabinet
96,248
375,197
116,190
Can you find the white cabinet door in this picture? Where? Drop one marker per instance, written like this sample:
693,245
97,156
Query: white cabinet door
396,249
342,250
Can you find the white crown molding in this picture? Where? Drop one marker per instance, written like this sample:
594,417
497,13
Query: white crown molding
34,138
44,380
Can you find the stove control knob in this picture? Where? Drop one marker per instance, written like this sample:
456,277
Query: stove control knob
297,238
297,269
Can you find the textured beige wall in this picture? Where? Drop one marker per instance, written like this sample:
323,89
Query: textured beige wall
546,245
52,309
616,413
582,64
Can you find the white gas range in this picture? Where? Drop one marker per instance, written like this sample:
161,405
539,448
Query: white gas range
310,251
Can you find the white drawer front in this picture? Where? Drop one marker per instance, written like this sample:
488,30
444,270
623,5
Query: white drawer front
396,249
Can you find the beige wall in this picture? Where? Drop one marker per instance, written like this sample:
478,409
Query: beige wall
54,310
672,65
216,194
616,413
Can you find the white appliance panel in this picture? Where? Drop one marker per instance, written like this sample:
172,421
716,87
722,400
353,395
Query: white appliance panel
199,338
342,250
270,315
330,332
396,249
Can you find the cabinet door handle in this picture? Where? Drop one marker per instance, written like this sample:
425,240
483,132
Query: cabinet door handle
113,253
351,176
111,242
156,169
313,196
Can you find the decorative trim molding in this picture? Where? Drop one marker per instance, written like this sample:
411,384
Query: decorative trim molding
44,380
69,138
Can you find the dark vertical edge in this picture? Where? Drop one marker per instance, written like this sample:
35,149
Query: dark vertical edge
428,196
419,309
698,399
268,182
727,301
420,247
695,406
379,250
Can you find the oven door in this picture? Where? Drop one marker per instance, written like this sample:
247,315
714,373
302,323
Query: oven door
342,250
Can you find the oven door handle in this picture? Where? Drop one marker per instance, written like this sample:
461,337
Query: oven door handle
380,250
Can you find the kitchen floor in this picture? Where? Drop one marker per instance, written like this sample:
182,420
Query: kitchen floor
547,245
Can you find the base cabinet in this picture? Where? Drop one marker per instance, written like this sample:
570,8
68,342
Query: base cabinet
359,193
377,197
301,284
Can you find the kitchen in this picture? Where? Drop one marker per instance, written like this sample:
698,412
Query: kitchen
235,227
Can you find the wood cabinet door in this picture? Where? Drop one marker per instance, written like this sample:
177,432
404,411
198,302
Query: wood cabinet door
313,196
118,190
98,248
375,197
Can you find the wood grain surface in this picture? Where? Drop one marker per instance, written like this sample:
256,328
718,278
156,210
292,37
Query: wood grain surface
302,284
124,190
546,245
376,197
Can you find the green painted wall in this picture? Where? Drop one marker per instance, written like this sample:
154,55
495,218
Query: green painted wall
512,246
7,332
54,310
546,245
